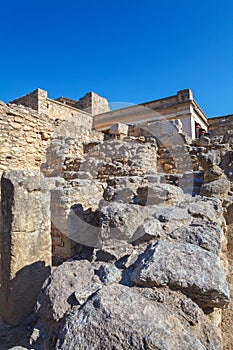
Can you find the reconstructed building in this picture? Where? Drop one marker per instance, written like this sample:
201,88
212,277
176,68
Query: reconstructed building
93,108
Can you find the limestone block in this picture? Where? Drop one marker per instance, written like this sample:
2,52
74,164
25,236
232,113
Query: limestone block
25,242
171,127
119,128
159,193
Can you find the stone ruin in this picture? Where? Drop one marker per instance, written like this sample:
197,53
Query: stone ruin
114,240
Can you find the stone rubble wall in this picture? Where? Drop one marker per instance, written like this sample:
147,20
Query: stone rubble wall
25,134
109,200
61,111
39,101
84,168
24,137
32,99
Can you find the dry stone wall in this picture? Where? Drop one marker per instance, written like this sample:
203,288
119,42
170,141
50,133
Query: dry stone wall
93,104
24,136
25,133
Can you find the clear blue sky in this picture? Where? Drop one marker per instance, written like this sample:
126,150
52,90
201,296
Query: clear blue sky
128,51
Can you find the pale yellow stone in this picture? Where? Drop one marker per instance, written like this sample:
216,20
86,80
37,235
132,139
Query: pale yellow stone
16,125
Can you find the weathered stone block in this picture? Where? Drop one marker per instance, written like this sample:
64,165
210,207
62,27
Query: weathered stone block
25,242
194,271
119,128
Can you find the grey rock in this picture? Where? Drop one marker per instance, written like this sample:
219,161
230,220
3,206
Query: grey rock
82,294
125,195
209,159
204,208
216,188
207,236
213,173
203,141
57,295
159,193
119,221
149,230
171,217
194,271
166,214
108,273
118,317
228,137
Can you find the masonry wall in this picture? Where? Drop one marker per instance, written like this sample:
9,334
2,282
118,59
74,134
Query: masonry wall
90,104
31,100
57,110
218,126
25,133
24,137
93,104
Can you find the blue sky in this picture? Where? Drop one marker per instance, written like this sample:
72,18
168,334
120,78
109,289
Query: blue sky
128,51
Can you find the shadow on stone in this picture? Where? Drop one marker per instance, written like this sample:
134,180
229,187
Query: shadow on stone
19,295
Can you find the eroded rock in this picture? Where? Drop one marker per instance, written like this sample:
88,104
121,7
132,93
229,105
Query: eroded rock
198,273
118,317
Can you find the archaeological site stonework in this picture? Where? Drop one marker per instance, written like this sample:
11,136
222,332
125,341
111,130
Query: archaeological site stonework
116,226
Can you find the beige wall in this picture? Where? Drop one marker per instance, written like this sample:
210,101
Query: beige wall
181,106
58,110
39,101
24,137
25,134
220,125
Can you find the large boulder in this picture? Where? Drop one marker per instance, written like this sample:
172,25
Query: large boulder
196,272
61,290
118,317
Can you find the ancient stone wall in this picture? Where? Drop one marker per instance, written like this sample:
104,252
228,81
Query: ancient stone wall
220,125
24,137
93,104
32,99
25,133
89,105
25,242
61,111
57,111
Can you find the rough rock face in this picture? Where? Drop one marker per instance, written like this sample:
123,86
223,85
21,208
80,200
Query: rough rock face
103,311
219,187
148,260
120,318
57,293
162,289
186,267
